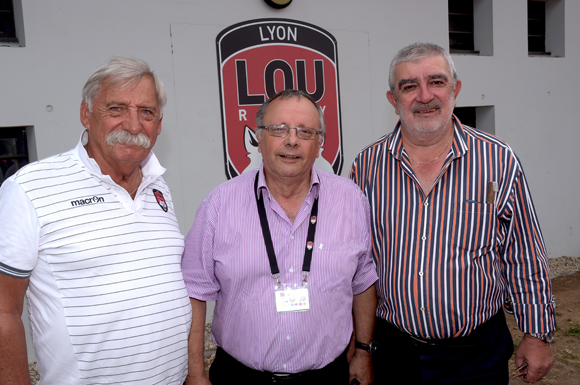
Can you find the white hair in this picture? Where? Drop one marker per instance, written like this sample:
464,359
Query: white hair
414,53
121,70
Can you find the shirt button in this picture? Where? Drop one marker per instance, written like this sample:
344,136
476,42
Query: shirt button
422,308
292,237
423,237
420,273
284,366
426,203
428,337
288,338
291,270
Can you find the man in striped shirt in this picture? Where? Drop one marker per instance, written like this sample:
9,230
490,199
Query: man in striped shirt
91,237
285,251
454,234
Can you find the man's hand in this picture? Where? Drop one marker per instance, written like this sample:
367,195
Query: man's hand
364,306
361,368
13,359
196,372
538,354
198,380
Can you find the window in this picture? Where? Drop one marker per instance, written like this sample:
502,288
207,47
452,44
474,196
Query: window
466,115
11,23
537,28
471,27
461,26
546,28
7,30
13,150
482,118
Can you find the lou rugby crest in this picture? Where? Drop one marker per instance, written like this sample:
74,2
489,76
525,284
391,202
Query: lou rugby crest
160,199
257,59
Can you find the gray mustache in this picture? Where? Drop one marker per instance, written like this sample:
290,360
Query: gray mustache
126,138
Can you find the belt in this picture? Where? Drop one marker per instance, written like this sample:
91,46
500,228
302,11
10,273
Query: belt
276,377
282,377
474,338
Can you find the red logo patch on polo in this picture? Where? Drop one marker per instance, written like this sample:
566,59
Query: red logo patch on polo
160,199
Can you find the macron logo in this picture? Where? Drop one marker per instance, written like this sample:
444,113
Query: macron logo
87,201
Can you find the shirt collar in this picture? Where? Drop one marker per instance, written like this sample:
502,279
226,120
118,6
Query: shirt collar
314,183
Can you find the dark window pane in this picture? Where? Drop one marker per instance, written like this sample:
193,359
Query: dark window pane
461,6
461,25
536,44
466,115
536,26
7,31
13,151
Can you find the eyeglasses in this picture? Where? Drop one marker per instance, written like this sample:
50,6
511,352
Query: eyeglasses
282,131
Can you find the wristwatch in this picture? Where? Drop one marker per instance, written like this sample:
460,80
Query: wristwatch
546,337
371,347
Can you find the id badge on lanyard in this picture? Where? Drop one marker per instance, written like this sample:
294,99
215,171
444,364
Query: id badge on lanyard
288,298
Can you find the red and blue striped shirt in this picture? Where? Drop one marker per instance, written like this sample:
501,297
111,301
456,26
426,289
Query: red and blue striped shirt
446,261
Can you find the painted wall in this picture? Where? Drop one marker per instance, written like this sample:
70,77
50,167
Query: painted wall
532,96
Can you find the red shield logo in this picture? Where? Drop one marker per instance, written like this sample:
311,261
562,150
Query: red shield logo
160,199
257,59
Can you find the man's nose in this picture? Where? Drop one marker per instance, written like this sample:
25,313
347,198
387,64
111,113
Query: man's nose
292,137
132,121
425,94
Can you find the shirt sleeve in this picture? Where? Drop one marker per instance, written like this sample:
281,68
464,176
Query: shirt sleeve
366,273
20,231
525,261
355,173
197,262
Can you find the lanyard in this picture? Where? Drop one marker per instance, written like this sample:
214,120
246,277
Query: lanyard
268,237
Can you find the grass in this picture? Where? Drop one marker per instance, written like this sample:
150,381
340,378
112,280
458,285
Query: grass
574,331
571,356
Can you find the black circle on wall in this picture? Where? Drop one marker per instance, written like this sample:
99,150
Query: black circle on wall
278,4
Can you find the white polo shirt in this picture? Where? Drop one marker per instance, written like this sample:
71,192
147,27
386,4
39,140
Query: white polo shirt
106,295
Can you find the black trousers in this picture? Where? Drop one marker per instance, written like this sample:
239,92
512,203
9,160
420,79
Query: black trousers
226,370
478,359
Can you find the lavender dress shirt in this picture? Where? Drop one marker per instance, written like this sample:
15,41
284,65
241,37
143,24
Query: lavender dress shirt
225,260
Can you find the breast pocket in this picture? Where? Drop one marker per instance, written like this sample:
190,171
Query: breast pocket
473,228
334,270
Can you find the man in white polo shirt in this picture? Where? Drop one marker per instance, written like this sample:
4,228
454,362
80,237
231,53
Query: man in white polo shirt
91,238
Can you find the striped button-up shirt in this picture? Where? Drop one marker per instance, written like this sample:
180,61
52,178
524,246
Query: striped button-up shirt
225,260
447,260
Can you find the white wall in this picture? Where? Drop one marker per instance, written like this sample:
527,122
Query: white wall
67,39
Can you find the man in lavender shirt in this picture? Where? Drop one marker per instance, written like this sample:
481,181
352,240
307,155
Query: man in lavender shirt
279,318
